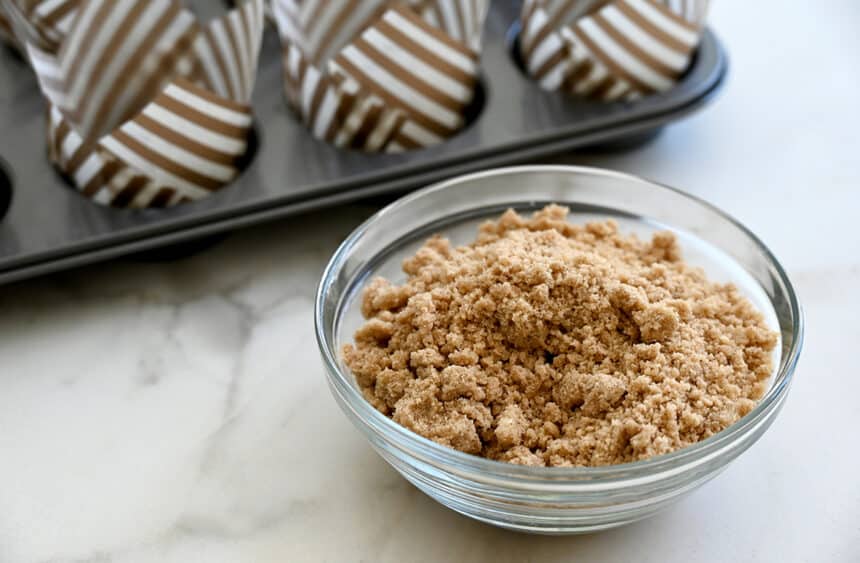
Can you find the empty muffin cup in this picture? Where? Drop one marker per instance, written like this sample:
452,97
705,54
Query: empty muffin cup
610,50
382,76
148,107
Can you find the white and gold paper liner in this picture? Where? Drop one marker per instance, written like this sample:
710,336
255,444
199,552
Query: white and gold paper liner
381,76
148,108
44,23
610,49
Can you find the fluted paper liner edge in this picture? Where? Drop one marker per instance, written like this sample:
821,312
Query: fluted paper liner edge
44,23
381,76
610,50
146,107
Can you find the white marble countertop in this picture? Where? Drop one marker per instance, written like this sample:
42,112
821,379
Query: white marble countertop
178,412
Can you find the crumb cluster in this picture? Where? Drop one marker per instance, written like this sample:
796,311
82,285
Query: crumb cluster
552,344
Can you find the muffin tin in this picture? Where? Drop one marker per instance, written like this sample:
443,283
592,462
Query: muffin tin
50,227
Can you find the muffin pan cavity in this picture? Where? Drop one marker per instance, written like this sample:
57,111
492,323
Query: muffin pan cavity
5,190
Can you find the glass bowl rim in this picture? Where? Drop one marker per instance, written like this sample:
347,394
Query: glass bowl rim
672,462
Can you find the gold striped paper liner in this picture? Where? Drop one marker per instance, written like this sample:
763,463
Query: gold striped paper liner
381,76
610,49
44,23
148,108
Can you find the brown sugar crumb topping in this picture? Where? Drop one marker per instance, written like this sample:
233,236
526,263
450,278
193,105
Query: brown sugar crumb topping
548,343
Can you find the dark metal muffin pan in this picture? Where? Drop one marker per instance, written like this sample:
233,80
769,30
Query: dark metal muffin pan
50,227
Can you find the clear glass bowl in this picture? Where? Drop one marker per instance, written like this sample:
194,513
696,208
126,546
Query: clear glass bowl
538,499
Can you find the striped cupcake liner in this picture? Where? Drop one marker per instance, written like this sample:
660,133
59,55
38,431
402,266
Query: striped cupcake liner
610,50
147,107
381,76
44,23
